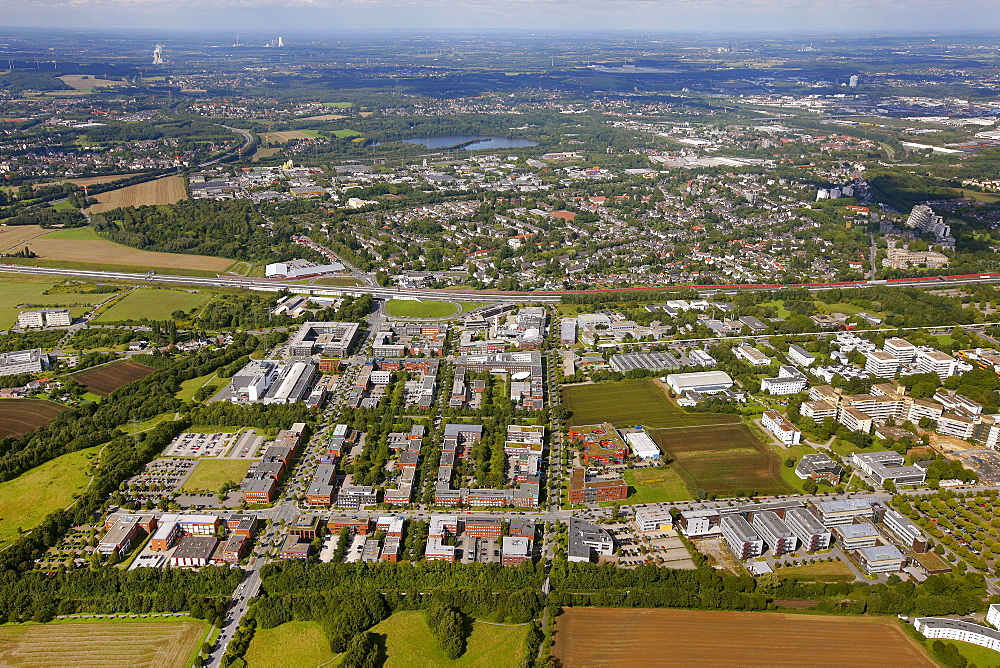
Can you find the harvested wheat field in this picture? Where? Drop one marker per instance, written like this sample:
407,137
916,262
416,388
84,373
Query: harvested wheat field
650,637
94,180
101,251
86,82
99,644
167,190
324,117
13,237
285,136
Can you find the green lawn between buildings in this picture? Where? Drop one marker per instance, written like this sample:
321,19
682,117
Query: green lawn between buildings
657,485
211,474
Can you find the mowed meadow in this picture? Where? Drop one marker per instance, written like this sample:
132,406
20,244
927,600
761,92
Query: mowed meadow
106,644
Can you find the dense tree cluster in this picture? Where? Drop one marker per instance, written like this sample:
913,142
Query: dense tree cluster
228,228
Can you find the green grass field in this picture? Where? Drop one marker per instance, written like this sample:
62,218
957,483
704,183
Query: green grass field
339,105
632,402
345,133
75,234
655,486
28,498
152,303
211,474
982,657
15,293
405,308
291,645
409,643
336,280
823,571
189,387
95,266
724,460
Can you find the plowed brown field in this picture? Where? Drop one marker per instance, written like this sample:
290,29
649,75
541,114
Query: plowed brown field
644,637
106,379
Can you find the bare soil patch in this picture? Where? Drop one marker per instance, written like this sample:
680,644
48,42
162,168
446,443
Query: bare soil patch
645,637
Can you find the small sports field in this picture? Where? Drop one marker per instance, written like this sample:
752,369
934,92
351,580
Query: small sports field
628,403
407,308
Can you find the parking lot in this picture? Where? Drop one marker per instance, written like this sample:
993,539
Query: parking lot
199,445
247,446
159,478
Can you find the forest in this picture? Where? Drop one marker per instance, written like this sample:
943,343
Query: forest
230,228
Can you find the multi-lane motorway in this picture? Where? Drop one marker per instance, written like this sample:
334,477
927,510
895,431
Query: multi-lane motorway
273,285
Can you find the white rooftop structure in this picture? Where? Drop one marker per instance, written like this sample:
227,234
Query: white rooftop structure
642,445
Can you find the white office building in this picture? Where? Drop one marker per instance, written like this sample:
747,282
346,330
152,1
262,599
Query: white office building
789,381
642,445
954,629
800,355
901,349
881,364
777,424
751,355
936,362
888,465
808,529
741,538
775,532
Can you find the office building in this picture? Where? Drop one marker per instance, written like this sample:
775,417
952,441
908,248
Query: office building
888,465
515,550
856,536
810,532
751,355
936,362
328,339
880,559
881,363
955,629
845,511
587,540
743,541
594,490
800,355
819,467
775,532
905,529
23,361
789,381
777,424
194,551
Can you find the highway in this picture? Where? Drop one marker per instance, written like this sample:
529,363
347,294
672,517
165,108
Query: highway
275,285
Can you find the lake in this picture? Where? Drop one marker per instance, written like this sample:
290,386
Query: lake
478,143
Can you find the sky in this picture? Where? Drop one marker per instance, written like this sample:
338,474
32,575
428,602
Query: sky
863,16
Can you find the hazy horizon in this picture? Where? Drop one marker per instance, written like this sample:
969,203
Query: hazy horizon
663,16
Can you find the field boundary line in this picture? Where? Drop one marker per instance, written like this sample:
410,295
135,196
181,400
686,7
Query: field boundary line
695,426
